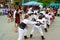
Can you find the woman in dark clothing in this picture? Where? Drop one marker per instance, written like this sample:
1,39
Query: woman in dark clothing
17,19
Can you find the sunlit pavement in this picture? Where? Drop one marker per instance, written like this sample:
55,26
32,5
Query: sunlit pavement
7,30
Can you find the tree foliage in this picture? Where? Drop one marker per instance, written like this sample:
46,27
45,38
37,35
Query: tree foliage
20,1
45,2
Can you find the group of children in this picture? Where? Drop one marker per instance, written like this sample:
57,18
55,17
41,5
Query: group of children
39,19
43,19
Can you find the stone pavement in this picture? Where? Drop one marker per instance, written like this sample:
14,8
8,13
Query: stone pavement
7,30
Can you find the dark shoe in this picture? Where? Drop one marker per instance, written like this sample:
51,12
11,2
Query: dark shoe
48,25
25,37
42,37
45,29
30,35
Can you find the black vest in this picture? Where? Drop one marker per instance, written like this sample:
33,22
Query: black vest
22,25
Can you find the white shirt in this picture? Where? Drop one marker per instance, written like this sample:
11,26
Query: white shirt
36,11
40,20
14,14
34,16
47,16
28,22
43,12
29,11
44,21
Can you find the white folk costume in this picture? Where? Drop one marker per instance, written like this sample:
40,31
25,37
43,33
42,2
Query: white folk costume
30,11
22,28
44,24
38,27
34,17
48,19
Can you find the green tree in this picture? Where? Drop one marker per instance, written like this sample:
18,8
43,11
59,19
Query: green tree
45,2
20,1
57,1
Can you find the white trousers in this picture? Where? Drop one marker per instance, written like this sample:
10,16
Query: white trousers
38,28
48,21
21,33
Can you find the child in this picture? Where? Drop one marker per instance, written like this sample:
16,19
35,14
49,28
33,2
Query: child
38,27
48,19
45,23
34,17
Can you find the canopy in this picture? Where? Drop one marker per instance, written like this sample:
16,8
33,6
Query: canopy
32,3
55,4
